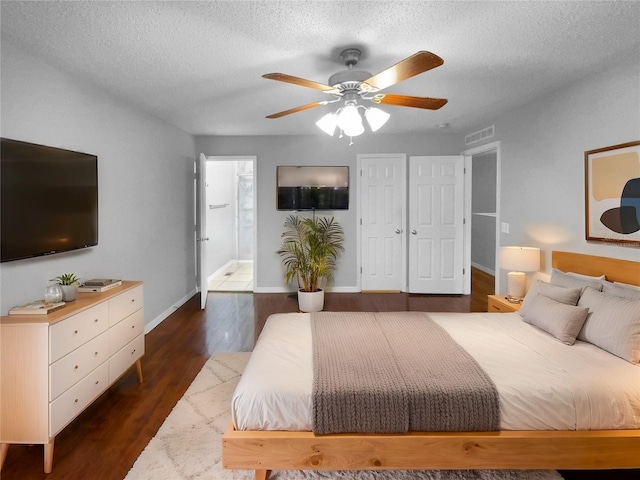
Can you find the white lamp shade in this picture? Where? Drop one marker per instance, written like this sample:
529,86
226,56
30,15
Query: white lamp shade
520,259
350,121
328,123
376,118
354,130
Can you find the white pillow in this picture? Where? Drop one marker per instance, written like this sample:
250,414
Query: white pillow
560,320
613,324
628,285
621,290
586,277
568,296
574,280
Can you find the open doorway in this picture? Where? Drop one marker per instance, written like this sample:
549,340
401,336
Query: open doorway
230,210
483,167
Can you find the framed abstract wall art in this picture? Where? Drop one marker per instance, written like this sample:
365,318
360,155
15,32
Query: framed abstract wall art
612,194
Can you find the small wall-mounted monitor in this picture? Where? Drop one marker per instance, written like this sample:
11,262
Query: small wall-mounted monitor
313,188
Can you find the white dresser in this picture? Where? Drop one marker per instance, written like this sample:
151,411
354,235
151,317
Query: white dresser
54,366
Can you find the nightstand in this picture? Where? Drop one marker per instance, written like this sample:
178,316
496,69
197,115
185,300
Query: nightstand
500,304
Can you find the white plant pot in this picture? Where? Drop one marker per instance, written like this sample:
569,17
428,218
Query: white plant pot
310,301
69,292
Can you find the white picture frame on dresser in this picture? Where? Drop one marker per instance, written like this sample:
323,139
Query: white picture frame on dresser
52,367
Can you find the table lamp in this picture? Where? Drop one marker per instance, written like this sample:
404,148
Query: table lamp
519,260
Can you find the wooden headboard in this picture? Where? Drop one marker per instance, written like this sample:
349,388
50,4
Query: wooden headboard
616,270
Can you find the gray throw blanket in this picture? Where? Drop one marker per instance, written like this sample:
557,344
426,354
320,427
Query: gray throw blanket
395,372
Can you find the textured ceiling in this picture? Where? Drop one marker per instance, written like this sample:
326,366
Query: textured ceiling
198,65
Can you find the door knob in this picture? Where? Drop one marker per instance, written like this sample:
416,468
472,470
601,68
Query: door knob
413,232
398,231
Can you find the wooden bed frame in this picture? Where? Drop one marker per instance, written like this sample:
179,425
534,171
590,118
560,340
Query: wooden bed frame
264,451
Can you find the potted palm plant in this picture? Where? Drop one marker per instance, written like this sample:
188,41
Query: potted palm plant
310,247
69,284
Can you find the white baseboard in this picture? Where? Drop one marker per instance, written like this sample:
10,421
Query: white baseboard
219,271
273,290
159,319
483,268
343,290
290,290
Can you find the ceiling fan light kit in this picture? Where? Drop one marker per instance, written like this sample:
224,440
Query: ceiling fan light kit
376,118
352,86
328,123
350,121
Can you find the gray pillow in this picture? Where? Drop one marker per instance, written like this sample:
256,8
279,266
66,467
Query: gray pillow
568,296
613,324
560,320
619,290
569,280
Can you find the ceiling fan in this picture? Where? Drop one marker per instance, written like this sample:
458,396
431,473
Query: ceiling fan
353,86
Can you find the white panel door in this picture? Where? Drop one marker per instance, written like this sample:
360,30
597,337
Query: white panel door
382,215
201,229
436,209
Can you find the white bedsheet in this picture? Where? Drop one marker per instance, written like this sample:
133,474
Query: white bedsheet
543,384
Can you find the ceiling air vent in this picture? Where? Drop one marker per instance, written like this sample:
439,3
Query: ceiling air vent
483,134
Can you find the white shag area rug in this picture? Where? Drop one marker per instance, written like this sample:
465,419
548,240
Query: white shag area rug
189,442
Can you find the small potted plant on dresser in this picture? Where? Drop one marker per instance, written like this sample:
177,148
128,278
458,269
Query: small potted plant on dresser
309,250
69,284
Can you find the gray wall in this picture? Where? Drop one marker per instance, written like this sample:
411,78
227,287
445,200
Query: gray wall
542,173
313,150
146,203
145,171
542,158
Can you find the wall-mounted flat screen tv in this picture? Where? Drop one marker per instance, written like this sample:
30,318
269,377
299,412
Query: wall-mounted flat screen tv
313,188
48,200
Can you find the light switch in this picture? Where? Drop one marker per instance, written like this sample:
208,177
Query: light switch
504,227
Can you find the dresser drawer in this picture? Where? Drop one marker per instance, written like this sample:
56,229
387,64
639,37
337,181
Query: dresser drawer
125,331
123,359
67,335
125,304
68,405
73,367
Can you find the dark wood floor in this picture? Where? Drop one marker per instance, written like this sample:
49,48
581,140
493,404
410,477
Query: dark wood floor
105,440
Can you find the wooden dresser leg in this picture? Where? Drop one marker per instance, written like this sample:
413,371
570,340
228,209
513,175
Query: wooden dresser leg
139,370
261,474
3,453
48,456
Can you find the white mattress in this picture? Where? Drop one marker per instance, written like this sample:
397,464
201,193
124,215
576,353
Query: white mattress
543,384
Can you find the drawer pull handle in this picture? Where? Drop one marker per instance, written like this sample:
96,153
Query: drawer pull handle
133,299
76,367
95,321
97,382
75,332
133,326
95,354
75,401
134,351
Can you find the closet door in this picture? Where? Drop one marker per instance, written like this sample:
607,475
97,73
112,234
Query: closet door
382,217
436,194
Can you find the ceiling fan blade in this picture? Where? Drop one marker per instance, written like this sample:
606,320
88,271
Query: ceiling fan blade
296,110
409,67
283,77
408,101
